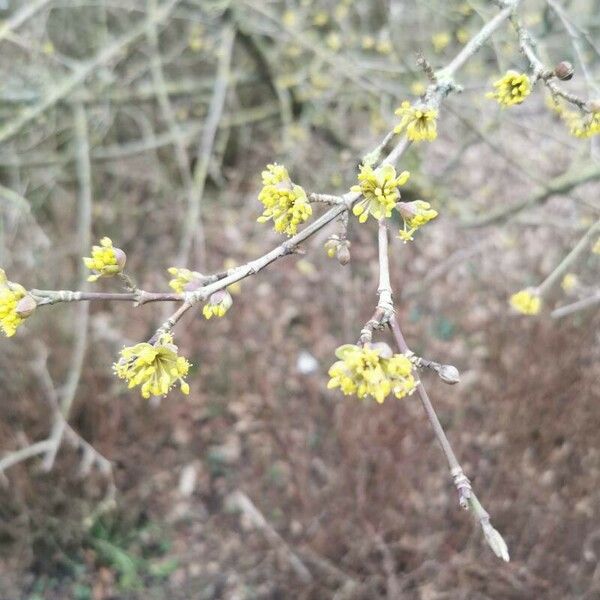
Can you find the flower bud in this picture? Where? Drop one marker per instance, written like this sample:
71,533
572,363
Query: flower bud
449,374
343,253
26,306
384,350
105,261
564,70
495,541
331,245
121,258
218,304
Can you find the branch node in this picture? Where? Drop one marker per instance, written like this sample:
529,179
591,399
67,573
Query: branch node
463,485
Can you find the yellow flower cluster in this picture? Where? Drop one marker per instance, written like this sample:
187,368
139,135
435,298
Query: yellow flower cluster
527,302
10,294
156,368
284,202
372,371
218,304
182,278
596,247
415,215
380,191
419,123
511,89
106,260
581,125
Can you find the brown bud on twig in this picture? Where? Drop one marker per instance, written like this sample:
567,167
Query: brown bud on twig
25,306
564,70
121,258
449,374
343,253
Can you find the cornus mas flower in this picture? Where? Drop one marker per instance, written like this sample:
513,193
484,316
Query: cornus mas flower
183,279
569,282
218,304
415,215
155,368
372,371
596,247
380,191
419,123
284,202
106,260
511,89
527,302
582,125
10,296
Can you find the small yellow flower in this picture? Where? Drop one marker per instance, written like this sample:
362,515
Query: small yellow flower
320,18
384,46
184,280
106,260
48,48
420,124
440,41
462,35
511,89
218,304
596,247
367,42
196,38
334,41
527,302
155,368
340,12
284,202
10,295
331,246
581,125
415,215
380,191
569,282
289,18
418,88
372,371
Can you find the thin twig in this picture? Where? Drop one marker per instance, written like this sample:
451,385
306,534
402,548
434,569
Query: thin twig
16,20
84,177
435,94
477,41
569,259
70,83
239,501
192,229
467,498
575,307
576,41
540,71
577,175
384,290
